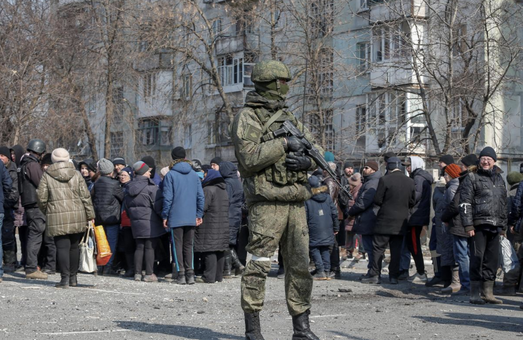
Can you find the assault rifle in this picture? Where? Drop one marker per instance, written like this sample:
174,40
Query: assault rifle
289,129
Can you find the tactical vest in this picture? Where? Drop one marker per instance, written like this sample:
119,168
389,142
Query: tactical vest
278,172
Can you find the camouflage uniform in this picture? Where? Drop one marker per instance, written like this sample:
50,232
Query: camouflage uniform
275,197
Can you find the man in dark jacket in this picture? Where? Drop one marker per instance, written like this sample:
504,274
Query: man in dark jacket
30,175
107,198
10,203
483,211
229,172
420,214
395,195
460,237
6,181
365,211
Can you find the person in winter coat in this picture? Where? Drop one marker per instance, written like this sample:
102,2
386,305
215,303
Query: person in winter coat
212,236
107,196
395,196
229,172
65,200
17,151
152,165
322,220
449,269
461,240
420,214
340,238
125,176
512,279
143,203
182,213
10,204
6,182
88,171
365,211
483,211
355,182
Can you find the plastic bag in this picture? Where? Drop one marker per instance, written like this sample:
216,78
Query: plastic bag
87,250
104,250
508,256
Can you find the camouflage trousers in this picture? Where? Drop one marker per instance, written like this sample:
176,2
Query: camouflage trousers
270,224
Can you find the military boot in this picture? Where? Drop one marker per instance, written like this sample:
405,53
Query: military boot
252,326
227,265
475,297
302,329
488,293
236,263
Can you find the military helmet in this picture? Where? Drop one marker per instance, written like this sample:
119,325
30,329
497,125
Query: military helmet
36,145
270,70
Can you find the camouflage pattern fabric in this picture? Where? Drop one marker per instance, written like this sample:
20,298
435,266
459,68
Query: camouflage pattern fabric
270,223
270,70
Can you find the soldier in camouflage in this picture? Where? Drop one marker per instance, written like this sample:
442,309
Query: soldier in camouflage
275,184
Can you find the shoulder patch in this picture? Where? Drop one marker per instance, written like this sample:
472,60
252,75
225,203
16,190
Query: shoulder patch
253,134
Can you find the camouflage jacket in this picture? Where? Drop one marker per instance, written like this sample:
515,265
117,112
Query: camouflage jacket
262,164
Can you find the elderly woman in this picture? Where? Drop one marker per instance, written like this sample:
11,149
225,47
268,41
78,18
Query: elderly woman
65,200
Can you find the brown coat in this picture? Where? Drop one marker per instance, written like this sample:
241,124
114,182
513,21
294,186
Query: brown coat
65,200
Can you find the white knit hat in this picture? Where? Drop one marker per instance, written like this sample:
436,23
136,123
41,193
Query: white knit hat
60,155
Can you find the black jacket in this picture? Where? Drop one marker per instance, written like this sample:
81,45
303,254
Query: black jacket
213,233
143,203
229,173
420,213
11,197
483,200
322,218
395,196
363,208
451,212
29,178
107,198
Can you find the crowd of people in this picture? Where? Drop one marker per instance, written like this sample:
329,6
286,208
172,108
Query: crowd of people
187,222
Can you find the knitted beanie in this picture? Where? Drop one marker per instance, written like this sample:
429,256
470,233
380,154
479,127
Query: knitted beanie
105,166
453,170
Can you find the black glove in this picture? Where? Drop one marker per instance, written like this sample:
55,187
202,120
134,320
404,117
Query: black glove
294,144
297,163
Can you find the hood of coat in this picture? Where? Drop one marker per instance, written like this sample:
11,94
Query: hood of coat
452,182
416,163
228,170
320,194
424,174
136,186
182,167
61,171
19,152
214,178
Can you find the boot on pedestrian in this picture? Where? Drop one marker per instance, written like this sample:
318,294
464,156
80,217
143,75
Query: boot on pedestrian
455,284
252,326
73,280
475,297
9,261
488,293
227,265
36,275
180,278
302,330
236,263
64,282
189,277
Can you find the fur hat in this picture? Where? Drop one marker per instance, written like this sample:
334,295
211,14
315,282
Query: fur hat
60,155
355,179
105,166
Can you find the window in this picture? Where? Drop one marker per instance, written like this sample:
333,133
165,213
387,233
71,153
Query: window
217,27
230,70
386,116
320,125
149,85
390,41
361,119
363,55
322,17
187,137
364,4
326,72
155,131
187,86
116,144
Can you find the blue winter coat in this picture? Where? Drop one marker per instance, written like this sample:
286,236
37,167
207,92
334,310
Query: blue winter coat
363,208
322,218
235,194
183,198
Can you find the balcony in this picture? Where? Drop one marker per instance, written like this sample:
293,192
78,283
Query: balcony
390,73
229,44
397,9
